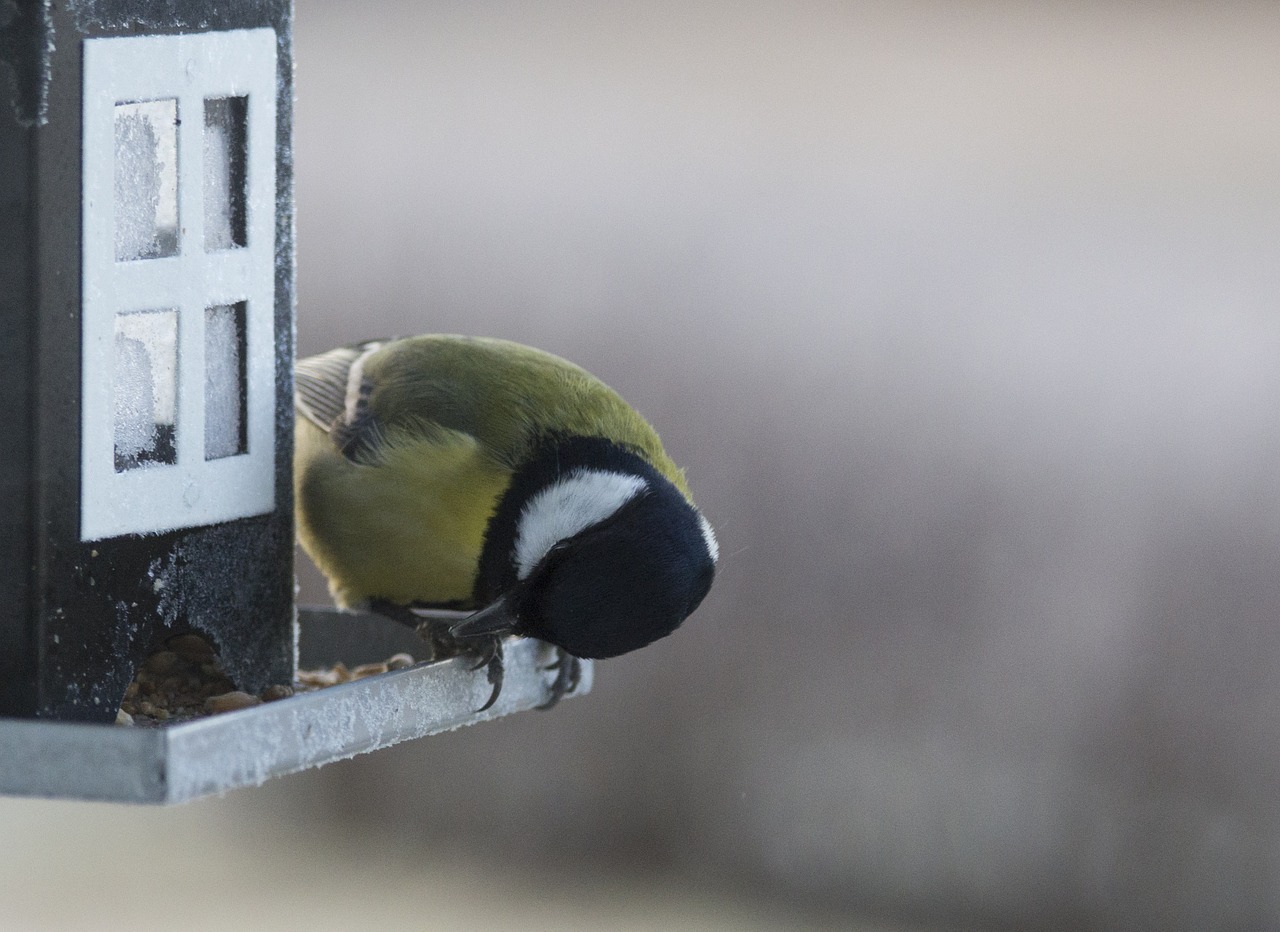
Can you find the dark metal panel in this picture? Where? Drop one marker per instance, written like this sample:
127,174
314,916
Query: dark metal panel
100,607
26,40
57,462
17,310
158,17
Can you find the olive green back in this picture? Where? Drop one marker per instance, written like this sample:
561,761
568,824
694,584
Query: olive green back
450,381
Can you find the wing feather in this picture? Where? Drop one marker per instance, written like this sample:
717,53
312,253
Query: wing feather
331,392
320,385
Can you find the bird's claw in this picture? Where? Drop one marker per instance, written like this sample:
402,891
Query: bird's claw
486,651
443,645
492,659
568,674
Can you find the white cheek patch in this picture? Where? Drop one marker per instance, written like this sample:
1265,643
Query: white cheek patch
709,536
568,507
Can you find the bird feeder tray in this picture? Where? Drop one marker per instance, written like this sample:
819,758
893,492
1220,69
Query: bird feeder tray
187,760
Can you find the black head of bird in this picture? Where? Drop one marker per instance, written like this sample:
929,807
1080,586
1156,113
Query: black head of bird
594,551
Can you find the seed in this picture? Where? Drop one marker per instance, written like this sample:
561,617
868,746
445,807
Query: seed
192,646
399,661
228,702
160,662
368,669
332,676
318,678
276,691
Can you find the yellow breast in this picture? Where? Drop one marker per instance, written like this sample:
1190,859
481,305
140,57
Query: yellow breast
408,528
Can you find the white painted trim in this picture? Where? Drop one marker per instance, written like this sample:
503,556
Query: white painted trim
568,507
193,492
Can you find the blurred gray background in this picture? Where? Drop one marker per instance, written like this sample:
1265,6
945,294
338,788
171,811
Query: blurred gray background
962,318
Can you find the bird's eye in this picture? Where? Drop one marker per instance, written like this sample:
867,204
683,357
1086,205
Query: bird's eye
549,559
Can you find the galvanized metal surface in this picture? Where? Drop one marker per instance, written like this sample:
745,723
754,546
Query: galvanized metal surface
185,761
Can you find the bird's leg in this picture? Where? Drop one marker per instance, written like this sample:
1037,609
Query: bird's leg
487,652
568,674
435,632
402,614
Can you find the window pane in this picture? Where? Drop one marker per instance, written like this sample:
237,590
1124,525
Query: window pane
146,179
225,153
146,388
224,381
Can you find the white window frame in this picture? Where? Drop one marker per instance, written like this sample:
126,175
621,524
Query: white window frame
193,492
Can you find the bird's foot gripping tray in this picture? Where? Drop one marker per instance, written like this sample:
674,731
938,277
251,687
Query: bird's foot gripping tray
178,762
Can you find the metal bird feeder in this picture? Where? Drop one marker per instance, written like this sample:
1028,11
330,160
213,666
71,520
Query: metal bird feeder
147,289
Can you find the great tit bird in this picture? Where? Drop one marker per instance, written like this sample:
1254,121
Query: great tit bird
449,472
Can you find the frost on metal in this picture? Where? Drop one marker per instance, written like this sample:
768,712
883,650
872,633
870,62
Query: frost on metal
26,53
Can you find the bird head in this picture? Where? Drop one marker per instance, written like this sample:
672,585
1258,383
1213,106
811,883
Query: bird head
604,559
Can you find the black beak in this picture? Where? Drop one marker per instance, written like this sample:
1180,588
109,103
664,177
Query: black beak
502,615
496,618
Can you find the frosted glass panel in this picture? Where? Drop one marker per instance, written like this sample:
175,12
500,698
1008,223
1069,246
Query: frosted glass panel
225,155
146,388
224,382
146,179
